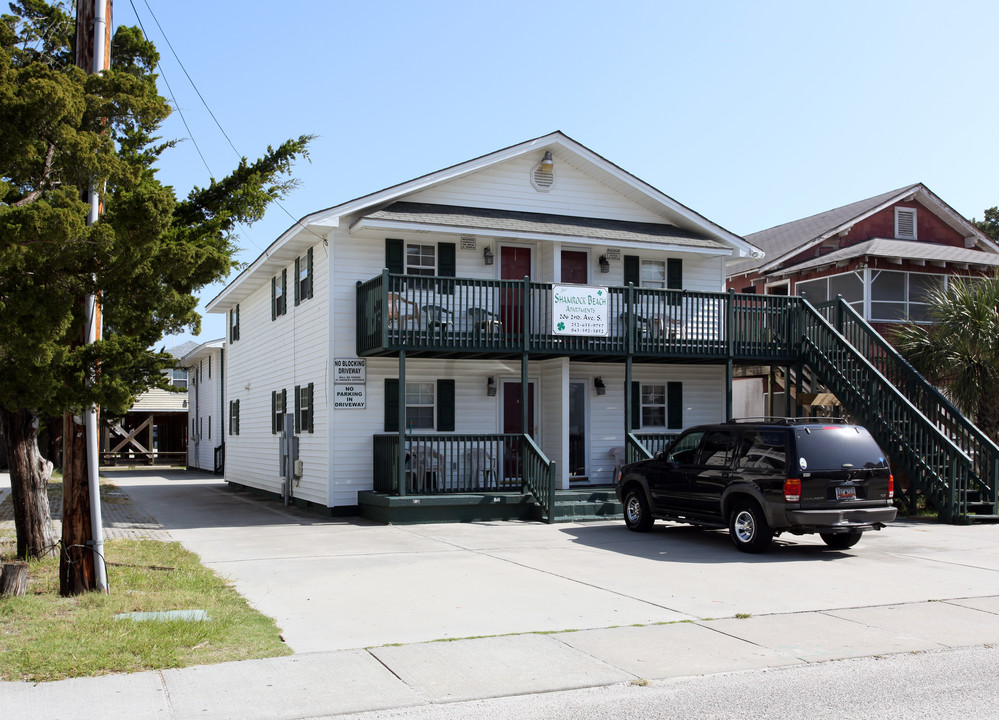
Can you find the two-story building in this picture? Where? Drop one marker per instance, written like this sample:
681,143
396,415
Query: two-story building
515,314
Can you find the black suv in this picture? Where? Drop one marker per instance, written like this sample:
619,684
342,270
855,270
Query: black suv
761,478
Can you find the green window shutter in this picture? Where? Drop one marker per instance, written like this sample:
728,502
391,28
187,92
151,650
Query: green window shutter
631,270
232,327
232,415
395,256
674,273
237,417
298,406
636,405
445,405
284,292
296,283
391,405
274,298
284,409
446,267
309,282
310,396
237,321
674,405
273,412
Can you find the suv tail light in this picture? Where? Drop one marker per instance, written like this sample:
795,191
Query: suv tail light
792,490
891,486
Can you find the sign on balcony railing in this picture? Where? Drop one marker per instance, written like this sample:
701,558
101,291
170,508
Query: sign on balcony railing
579,310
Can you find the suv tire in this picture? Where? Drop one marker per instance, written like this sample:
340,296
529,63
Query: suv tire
637,515
841,541
748,528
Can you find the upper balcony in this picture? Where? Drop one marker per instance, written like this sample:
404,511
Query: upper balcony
462,317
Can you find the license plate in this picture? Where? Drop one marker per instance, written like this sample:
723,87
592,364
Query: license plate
846,493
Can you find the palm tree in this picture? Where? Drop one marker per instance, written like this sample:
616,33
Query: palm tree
959,352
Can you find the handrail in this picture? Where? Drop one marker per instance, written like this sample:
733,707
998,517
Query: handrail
539,476
922,393
931,457
635,450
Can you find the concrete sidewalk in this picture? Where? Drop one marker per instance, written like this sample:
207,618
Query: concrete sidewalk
564,606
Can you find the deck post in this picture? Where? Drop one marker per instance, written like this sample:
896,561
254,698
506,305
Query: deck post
728,388
402,423
525,327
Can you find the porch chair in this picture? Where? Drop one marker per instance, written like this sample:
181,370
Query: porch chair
641,323
618,454
423,460
398,313
480,464
482,319
436,317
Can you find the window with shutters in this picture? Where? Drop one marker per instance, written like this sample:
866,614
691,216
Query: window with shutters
420,405
234,417
279,294
303,278
279,403
653,406
421,259
905,223
234,324
304,408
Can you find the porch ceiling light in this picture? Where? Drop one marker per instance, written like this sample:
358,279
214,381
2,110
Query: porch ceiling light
604,264
548,162
487,256
491,387
599,386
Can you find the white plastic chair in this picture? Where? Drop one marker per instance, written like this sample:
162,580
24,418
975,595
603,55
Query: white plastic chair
618,454
480,465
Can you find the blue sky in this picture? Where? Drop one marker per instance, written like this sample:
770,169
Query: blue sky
751,113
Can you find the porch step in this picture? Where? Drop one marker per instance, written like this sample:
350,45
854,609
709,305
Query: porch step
587,504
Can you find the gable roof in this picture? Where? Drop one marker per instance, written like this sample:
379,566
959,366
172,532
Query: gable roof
307,231
782,242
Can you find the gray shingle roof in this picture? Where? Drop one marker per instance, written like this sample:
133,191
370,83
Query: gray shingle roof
782,239
500,221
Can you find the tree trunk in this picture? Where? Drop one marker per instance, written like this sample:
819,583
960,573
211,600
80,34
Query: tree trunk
29,481
76,564
13,579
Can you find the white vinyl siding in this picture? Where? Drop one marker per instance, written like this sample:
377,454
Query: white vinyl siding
206,412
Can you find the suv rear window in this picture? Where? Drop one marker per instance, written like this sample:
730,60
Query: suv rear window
832,447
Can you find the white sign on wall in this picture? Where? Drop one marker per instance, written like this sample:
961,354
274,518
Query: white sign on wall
349,396
350,370
579,310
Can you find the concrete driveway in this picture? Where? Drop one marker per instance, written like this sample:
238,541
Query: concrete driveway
335,584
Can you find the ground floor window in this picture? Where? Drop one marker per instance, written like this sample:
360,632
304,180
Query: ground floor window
420,405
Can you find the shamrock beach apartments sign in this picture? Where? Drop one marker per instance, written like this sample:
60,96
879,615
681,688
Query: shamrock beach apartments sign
579,310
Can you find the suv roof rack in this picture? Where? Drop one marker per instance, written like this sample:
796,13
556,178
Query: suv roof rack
776,420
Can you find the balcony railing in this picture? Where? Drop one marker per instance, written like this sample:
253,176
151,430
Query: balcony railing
463,316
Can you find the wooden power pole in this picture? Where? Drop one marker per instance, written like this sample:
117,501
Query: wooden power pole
82,566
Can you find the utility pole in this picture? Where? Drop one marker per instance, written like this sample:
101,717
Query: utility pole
82,565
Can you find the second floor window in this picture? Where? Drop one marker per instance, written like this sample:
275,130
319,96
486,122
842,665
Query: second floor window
178,378
279,294
653,274
234,324
303,277
421,260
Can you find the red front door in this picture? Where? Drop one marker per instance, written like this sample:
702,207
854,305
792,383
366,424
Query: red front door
515,264
513,423
574,266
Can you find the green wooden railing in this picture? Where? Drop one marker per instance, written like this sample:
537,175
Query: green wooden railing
449,464
654,443
927,454
931,402
464,316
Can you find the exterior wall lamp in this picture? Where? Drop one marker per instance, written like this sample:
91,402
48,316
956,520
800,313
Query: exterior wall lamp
547,163
598,385
491,387
604,264
487,256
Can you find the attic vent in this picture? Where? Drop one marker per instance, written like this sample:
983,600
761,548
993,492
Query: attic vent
542,180
905,223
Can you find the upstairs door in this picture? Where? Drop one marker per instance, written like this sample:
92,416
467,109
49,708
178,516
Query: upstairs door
515,264
575,266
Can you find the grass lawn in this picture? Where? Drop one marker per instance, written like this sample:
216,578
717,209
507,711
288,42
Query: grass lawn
47,637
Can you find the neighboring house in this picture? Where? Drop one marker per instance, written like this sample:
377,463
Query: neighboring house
154,431
205,368
399,338
881,255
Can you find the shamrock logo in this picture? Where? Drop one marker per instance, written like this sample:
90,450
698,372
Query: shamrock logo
561,326
599,293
